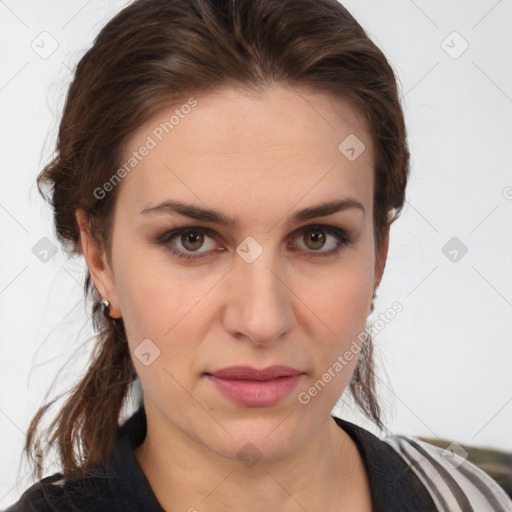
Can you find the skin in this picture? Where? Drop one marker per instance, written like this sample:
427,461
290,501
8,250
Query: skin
259,157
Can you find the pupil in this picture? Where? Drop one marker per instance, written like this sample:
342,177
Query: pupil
192,237
317,238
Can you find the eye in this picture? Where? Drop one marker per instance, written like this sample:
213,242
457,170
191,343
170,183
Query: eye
186,242
316,238
190,239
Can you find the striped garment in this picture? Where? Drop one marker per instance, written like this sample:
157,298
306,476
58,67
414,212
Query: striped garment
454,484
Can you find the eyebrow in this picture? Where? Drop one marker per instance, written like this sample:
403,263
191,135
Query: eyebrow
209,215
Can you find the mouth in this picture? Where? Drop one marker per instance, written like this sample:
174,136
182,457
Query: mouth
252,387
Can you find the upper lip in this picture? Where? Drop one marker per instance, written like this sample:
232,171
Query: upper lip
249,373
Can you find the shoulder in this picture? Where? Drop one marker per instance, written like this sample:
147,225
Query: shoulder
455,484
54,493
118,484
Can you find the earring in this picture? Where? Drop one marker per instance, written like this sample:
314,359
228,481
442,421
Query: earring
106,307
118,325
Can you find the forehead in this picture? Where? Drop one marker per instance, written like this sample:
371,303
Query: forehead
232,147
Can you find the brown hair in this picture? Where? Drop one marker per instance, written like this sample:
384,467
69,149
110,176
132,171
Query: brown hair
152,54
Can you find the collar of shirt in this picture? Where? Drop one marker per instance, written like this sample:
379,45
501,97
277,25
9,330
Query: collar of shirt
394,486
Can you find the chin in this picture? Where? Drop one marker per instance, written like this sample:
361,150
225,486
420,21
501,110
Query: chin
263,439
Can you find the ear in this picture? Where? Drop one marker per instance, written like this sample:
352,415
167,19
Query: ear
97,263
380,261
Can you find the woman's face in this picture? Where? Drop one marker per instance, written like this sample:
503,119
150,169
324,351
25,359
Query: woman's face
265,288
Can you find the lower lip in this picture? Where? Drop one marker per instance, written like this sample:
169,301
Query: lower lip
256,393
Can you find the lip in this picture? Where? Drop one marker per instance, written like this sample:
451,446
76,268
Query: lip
250,373
252,387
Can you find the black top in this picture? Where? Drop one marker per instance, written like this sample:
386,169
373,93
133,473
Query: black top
122,486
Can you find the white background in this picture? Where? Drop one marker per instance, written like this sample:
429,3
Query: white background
447,356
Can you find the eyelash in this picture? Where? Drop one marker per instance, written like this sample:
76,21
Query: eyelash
343,238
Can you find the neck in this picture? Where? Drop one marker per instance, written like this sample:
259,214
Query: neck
326,473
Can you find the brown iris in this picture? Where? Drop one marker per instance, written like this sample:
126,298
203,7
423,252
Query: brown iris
317,238
194,238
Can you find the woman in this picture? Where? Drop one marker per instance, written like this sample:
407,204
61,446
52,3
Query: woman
230,172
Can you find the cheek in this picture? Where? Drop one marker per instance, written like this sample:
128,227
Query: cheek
341,304
162,303
336,339
153,294
342,313
348,306
341,296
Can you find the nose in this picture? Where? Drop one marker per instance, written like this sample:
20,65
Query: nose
259,302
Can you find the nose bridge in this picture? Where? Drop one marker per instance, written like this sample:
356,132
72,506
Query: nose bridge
261,309
260,278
